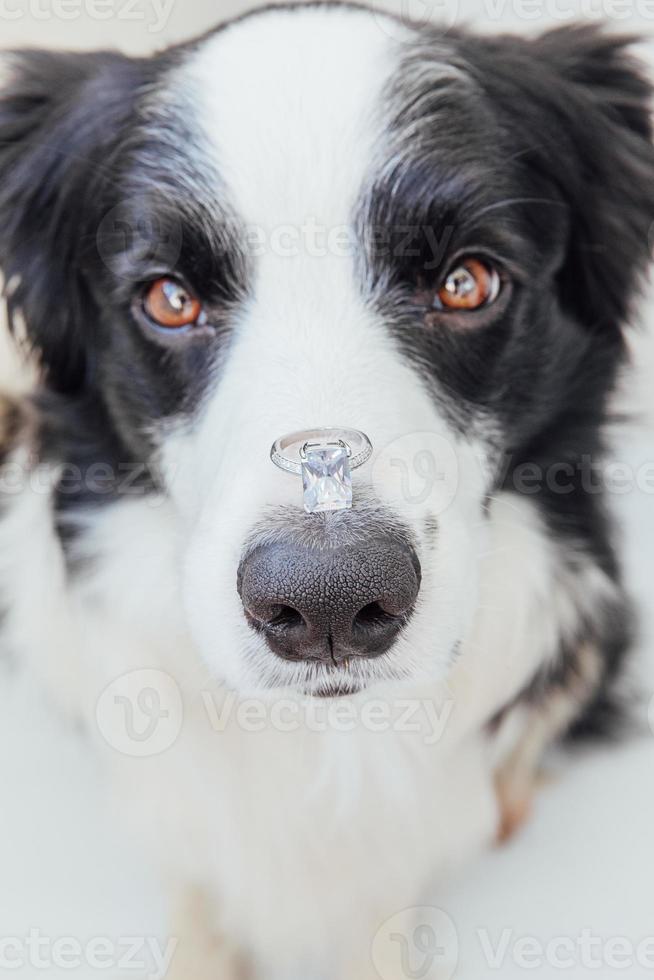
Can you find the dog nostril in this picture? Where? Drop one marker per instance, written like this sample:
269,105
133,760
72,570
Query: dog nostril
274,616
286,618
373,615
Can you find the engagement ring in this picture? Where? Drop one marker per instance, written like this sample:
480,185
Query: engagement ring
324,458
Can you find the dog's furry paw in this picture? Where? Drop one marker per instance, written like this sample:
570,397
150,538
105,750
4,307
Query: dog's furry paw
515,804
16,420
201,953
516,789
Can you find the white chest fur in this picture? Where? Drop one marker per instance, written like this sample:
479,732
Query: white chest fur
303,824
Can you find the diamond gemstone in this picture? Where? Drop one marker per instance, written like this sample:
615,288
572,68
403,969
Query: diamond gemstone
326,479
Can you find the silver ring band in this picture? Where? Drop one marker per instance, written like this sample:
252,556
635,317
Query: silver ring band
287,451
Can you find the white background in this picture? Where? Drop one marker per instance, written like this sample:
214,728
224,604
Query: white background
585,861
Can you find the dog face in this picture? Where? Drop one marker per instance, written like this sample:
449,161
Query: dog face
317,216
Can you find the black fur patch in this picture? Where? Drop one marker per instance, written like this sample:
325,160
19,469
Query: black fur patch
92,209
537,155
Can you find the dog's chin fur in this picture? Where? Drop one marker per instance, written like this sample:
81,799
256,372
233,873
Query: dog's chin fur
137,475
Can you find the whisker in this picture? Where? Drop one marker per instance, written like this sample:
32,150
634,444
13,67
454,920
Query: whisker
508,202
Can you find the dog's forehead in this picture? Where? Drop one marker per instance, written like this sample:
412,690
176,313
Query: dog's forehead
290,104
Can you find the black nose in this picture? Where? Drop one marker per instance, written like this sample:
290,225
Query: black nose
333,603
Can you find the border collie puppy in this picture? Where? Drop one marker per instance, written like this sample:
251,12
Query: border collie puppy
319,215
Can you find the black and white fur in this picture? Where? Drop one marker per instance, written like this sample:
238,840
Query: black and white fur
535,153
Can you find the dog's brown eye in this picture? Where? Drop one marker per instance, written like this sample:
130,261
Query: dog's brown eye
171,305
471,284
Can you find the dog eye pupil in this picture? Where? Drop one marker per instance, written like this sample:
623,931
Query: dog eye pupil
176,296
460,282
169,304
472,284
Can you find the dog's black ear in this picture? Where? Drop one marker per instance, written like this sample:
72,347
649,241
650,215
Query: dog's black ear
603,106
59,117
579,102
